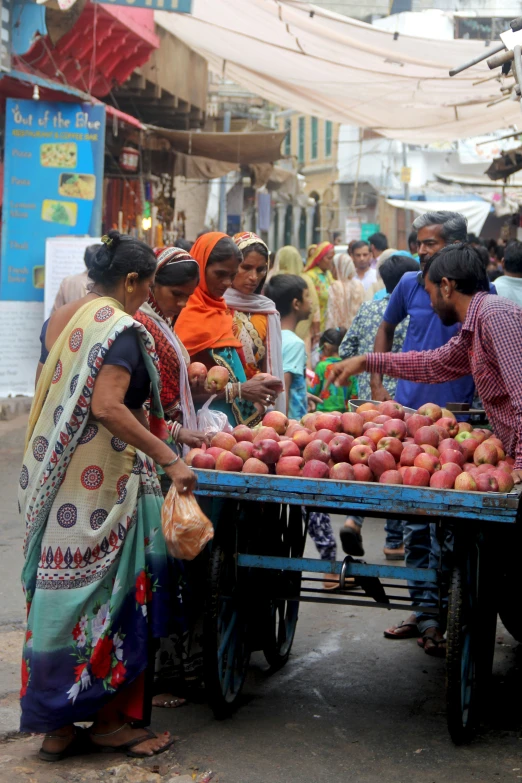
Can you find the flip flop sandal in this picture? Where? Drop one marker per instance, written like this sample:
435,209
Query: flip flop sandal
172,704
127,746
352,542
76,746
438,650
411,634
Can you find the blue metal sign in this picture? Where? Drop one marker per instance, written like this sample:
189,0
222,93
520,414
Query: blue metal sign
180,6
53,183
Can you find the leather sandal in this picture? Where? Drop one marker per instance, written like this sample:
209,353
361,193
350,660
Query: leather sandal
126,747
77,745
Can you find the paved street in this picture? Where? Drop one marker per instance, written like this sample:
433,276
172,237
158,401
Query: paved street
350,705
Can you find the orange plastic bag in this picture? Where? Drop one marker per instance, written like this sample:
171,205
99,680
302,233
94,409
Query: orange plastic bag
185,527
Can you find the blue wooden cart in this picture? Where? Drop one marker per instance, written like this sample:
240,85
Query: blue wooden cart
257,582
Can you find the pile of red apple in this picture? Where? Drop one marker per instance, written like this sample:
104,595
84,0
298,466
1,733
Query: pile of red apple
384,443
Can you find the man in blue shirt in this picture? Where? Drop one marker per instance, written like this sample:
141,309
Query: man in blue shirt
434,230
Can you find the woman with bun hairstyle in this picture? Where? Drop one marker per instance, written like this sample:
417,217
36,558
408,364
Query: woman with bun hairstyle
95,572
256,322
205,328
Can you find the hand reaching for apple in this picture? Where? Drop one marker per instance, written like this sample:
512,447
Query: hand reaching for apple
341,372
379,393
193,439
517,476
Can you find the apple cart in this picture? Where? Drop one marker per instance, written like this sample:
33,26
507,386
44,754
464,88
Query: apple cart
258,575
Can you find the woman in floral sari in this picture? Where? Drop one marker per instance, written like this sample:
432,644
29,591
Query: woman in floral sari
318,271
95,573
256,322
345,296
205,327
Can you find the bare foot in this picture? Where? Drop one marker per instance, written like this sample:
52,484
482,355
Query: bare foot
118,737
168,700
433,642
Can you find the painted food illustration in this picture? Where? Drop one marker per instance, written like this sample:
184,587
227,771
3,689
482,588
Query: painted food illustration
59,156
77,186
39,276
63,212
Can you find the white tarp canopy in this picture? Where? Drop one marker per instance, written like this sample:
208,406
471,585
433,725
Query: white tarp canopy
323,64
476,212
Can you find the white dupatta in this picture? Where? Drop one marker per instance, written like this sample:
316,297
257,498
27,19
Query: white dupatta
262,305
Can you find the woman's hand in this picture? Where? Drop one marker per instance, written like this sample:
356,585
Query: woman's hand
182,477
193,439
379,393
313,401
262,388
341,372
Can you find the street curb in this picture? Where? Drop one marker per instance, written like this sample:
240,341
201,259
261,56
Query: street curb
11,407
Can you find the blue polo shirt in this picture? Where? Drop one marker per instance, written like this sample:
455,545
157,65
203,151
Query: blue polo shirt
425,332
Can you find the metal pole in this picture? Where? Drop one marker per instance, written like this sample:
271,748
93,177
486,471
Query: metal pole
407,212
499,48
223,182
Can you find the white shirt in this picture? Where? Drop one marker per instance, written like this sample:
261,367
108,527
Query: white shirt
370,277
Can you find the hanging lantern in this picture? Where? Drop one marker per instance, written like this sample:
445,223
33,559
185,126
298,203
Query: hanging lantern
129,159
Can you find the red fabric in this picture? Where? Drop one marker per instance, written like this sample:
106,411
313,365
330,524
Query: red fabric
168,365
488,346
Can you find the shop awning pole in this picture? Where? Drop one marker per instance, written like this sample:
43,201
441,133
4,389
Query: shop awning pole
223,182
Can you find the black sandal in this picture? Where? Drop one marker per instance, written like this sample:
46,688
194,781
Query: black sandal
439,646
409,634
352,542
127,746
76,746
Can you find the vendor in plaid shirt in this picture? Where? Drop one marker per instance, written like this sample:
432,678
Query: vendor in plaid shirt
488,344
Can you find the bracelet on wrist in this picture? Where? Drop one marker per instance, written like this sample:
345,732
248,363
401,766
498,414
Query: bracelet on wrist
172,462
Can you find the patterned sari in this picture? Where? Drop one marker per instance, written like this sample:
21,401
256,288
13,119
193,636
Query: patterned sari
95,572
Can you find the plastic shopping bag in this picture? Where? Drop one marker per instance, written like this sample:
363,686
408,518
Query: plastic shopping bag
185,527
210,421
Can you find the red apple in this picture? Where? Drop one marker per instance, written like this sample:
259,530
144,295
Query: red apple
289,466
395,428
340,447
415,422
430,450
375,434
504,465
427,461
289,448
486,483
371,425
392,409
465,426
253,465
327,421
243,449
380,461
485,453
428,435
267,451
324,435
303,437
390,477
450,443
393,445
483,469
362,472
242,432
352,424
416,477
452,468
409,452
432,411
468,467
292,428
364,441
402,468
191,454
316,469
229,462
308,421
442,479
368,415
342,471
317,450
204,460
450,425
380,419
277,420
367,406
264,433
217,379
223,440
197,373
465,482
215,451
505,480
452,455
360,454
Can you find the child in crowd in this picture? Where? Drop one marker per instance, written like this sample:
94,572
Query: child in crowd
292,299
333,398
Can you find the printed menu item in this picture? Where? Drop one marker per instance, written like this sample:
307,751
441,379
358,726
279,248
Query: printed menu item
53,160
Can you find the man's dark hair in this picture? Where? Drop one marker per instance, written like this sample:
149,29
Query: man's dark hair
379,241
473,239
461,263
412,239
454,226
332,336
513,258
184,244
89,255
394,268
358,245
283,289
484,255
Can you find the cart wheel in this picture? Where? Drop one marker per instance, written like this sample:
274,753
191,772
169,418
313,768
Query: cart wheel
282,614
226,651
470,647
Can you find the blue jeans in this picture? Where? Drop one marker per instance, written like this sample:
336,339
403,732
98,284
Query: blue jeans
394,529
423,551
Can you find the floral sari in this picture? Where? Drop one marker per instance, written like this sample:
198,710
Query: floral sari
95,572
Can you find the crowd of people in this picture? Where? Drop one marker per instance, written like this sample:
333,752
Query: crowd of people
114,623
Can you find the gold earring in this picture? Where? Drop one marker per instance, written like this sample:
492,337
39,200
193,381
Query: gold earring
130,290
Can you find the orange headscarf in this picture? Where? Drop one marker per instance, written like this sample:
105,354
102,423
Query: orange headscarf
318,255
205,322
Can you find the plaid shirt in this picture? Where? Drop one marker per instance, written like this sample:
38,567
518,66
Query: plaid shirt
489,346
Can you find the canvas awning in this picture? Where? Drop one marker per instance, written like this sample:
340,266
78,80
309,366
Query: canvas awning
256,147
327,65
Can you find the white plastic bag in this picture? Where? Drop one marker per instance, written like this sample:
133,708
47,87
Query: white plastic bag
210,421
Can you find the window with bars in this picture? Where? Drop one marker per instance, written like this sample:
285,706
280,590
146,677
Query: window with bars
314,139
328,133
301,139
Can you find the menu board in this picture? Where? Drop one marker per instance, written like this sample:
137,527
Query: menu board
63,257
53,179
